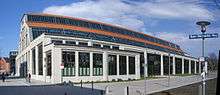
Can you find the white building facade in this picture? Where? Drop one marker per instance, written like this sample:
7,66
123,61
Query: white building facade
93,51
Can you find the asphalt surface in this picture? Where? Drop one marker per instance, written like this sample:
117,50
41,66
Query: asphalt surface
47,90
150,86
19,86
193,89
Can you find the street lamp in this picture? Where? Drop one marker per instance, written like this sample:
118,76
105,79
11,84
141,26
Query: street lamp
203,25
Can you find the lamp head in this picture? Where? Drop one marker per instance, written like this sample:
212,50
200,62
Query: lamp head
203,25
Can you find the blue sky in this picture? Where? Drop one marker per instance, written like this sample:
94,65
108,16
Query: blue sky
11,13
172,20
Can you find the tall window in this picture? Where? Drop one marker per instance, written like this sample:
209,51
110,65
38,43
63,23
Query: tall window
131,65
40,59
68,59
112,64
48,57
97,64
193,67
178,66
166,65
122,65
186,66
33,62
84,64
142,64
197,67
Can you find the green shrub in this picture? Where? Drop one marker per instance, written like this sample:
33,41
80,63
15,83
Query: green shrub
113,80
120,80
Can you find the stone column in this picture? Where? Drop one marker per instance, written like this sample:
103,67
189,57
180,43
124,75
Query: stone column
137,67
183,65
195,67
91,63
77,63
90,43
105,66
77,42
36,61
190,67
28,63
56,62
161,65
31,63
145,64
127,65
17,69
174,66
118,65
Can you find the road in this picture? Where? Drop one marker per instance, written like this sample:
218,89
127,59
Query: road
152,86
192,89
114,88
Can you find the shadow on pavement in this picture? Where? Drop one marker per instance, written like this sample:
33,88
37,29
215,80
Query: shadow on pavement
48,90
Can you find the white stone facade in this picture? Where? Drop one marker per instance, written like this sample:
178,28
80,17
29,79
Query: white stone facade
27,60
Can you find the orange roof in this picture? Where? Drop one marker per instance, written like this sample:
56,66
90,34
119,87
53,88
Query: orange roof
70,27
46,14
2,61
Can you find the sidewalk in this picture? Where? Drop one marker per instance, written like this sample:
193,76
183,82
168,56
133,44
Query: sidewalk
152,86
22,82
117,88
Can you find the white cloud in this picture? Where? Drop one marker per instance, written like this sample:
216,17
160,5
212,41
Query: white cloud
175,10
191,46
137,15
130,13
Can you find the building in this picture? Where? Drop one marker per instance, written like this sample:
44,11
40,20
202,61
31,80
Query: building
12,56
4,65
93,51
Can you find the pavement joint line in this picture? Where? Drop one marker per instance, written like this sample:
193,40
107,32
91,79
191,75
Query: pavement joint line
176,86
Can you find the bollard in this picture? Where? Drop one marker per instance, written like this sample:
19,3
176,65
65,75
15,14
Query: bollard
106,90
92,85
200,89
81,83
126,91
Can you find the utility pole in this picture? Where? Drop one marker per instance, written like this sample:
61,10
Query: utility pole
203,36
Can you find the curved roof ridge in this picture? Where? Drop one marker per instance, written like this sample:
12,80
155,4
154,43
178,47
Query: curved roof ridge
83,19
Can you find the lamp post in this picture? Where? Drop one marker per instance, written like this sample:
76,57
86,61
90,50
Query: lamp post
203,36
203,25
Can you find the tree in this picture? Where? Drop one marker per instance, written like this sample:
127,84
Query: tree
212,61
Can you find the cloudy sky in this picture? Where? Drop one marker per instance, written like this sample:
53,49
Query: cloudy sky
172,20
